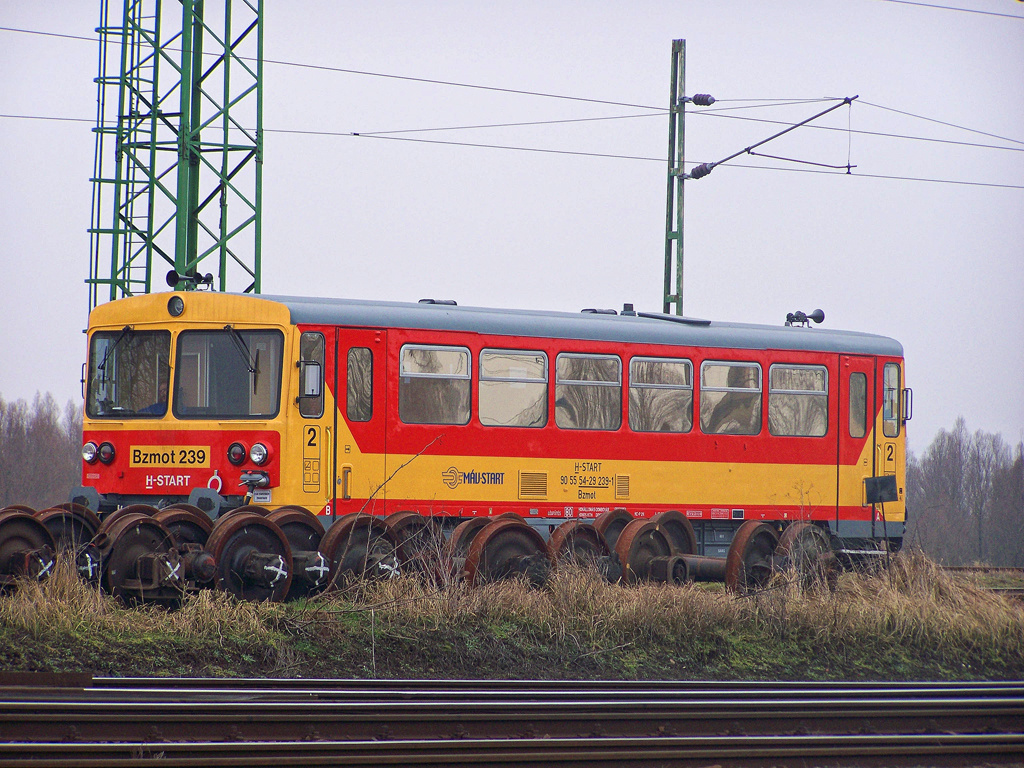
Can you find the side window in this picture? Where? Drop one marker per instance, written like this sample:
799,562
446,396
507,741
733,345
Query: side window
858,405
513,388
359,385
588,391
311,350
433,385
891,400
660,395
730,398
798,400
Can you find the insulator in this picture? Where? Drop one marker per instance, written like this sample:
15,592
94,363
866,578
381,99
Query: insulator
701,170
703,99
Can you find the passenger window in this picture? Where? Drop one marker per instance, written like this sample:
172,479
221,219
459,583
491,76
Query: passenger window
588,391
433,385
730,398
798,400
891,400
311,350
660,395
858,405
513,388
359,385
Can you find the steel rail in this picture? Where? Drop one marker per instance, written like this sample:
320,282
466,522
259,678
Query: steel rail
904,749
457,687
523,694
135,715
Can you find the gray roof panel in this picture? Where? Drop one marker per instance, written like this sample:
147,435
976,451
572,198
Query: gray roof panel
648,329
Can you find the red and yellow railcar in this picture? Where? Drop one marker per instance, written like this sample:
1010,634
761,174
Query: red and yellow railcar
450,413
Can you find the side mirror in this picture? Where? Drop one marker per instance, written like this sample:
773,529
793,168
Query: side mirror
311,376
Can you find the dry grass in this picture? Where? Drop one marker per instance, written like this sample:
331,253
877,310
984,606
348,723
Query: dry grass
912,620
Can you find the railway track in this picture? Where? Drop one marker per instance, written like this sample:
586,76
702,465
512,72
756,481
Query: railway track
77,721
1009,580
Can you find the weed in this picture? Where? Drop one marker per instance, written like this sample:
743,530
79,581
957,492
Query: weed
913,621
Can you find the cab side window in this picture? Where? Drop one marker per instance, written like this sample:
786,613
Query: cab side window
311,350
891,400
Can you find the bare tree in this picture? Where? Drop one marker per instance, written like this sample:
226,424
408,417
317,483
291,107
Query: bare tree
964,502
40,458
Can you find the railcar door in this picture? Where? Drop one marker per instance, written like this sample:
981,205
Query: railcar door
359,420
857,445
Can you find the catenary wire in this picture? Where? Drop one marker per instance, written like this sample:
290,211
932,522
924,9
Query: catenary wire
863,132
952,8
942,122
665,160
292,131
661,110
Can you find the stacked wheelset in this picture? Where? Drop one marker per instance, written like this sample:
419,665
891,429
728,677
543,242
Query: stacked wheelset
141,553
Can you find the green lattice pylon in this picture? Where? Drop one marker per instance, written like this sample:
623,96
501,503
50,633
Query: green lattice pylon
179,147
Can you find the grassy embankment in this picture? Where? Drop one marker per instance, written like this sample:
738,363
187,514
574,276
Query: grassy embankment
911,622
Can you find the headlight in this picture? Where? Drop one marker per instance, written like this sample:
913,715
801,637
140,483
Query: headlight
259,454
89,453
236,454
106,453
175,305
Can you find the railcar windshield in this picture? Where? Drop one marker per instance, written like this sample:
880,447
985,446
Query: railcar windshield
232,374
128,374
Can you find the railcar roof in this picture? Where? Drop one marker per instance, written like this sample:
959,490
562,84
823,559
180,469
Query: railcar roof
651,329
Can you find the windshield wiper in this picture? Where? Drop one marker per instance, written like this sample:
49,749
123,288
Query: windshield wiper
126,332
252,364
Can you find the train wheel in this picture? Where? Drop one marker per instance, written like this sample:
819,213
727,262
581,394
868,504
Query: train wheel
252,509
507,548
304,533
303,529
810,554
645,551
188,524
581,543
359,545
70,528
457,547
117,514
19,508
610,525
139,560
254,559
415,539
26,548
749,563
678,530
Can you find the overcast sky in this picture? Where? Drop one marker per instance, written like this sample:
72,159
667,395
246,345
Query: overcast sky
938,266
